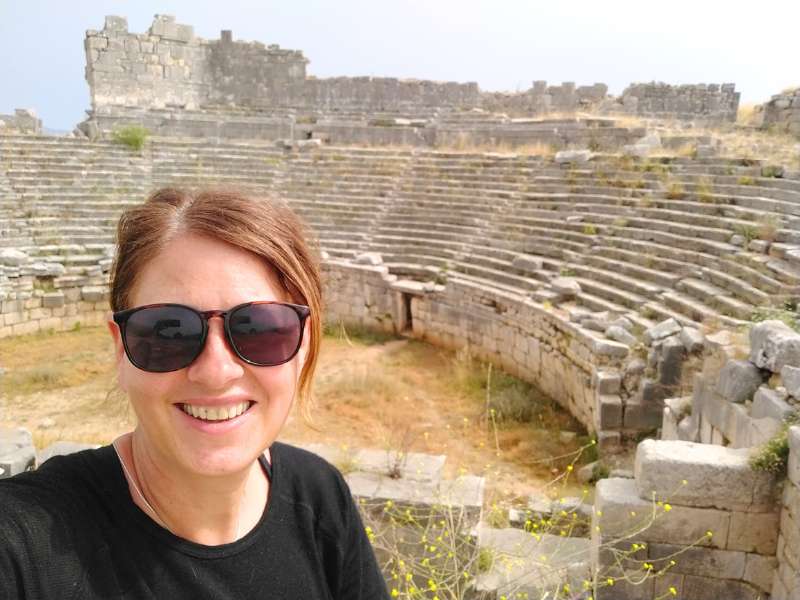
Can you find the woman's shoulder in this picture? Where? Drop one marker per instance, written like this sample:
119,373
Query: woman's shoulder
303,477
59,484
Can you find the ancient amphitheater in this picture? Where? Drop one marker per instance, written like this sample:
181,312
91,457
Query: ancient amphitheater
623,253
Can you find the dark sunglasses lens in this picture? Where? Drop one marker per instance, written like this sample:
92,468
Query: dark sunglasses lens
163,338
267,334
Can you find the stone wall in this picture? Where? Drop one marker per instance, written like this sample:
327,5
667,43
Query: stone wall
36,296
782,113
710,103
542,98
170,67
516,334
23,120
786,584
698,515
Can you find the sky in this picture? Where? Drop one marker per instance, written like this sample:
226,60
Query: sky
503,45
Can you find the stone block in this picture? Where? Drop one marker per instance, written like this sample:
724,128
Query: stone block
763,430
368,258
739,380
794,454
790,376
609,348
671,362
115,23
642,416
688,429
773,345
621,335
693,339
710,588
620,512
708,562
716,477
768,403
93,293
663,329
17,453
760,571
669,425
606,382
573,156
609,411
754,532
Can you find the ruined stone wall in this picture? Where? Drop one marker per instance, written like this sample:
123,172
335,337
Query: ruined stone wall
782,113
34,295
543,99
170,67
22,121
712,103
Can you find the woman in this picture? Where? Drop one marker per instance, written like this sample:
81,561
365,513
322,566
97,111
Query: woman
216,323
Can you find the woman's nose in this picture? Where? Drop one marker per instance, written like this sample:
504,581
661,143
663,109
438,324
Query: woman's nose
218,364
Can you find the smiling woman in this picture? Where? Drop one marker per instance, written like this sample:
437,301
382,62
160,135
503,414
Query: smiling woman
216,302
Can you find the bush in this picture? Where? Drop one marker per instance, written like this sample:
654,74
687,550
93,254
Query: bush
132,136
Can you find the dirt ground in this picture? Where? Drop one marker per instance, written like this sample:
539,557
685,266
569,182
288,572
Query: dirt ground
370,392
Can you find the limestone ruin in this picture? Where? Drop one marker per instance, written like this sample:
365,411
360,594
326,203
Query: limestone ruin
616,271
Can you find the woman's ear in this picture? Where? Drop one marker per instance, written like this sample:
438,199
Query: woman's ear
116,335
305,344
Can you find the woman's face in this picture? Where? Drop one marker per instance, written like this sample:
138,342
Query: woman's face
208,274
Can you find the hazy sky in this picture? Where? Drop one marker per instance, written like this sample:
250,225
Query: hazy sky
503,45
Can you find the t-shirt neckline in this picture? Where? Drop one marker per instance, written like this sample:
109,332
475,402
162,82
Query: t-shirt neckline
141,521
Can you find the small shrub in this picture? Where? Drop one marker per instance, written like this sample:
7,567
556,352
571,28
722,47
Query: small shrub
705,191
746,180
621,222
778,314
675,191
748,232
589,230
767,227
599,471
566,272
132,136
773,456
485,560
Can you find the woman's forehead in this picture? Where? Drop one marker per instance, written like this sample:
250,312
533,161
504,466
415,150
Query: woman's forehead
201,271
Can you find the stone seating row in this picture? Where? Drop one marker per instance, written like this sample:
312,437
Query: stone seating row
316,205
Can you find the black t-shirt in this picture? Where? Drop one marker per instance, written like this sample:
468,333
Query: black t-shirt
70,530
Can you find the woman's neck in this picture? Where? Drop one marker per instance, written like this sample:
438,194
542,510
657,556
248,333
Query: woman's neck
209,511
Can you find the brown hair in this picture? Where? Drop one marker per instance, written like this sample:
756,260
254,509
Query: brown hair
262,226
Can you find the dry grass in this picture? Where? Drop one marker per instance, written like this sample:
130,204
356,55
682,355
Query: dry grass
747,116
464,144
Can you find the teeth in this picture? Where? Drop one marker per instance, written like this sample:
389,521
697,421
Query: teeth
222,413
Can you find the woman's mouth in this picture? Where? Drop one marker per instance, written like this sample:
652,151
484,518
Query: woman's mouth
216,413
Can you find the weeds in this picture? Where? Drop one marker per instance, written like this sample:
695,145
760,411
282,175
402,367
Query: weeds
132,136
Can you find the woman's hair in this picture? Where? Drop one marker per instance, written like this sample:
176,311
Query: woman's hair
262,226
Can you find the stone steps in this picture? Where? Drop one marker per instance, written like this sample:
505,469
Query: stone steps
695,309
716,297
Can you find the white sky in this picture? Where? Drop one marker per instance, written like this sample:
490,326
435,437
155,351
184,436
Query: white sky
501,44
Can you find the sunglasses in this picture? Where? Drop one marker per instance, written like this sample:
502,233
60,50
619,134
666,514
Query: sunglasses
166,337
